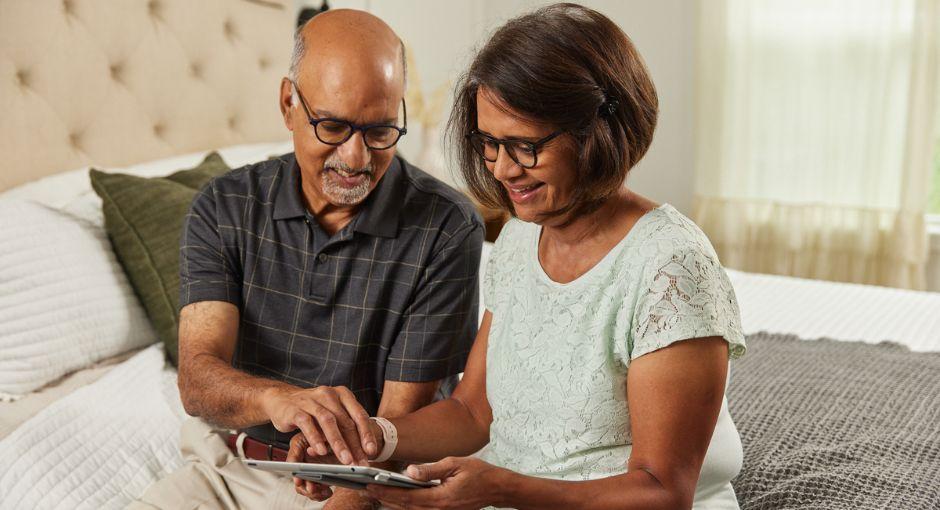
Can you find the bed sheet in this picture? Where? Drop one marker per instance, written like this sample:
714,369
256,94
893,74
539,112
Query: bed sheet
813,309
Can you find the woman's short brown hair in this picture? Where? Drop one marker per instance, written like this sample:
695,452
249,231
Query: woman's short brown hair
573,68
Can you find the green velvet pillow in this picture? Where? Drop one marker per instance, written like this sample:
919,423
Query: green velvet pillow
144,220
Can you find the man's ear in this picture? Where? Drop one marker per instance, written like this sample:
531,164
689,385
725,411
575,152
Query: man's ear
286,102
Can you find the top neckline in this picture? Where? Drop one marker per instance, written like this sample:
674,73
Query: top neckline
606,260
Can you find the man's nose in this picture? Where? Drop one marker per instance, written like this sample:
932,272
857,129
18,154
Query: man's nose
505,168
354,152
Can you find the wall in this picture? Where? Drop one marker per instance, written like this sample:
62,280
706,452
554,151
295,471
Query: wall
443,35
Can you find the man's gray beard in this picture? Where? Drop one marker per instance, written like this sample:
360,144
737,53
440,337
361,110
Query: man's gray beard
339,194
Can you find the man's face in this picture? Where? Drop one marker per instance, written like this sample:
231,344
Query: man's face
363,92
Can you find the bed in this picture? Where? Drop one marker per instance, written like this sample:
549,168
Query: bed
105,425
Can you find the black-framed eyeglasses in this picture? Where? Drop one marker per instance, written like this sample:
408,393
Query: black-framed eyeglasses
337,131
523,152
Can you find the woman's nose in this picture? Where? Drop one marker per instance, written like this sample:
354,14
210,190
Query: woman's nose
505,168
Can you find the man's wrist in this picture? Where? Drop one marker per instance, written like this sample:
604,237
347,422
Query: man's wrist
266,397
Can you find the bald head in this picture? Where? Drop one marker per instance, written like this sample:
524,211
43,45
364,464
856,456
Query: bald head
346,33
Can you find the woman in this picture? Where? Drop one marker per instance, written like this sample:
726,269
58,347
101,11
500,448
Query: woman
597,379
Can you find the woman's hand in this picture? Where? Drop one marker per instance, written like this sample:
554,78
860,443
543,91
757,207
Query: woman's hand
466,483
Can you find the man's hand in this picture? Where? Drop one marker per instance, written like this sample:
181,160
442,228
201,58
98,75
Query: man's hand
298,453
341,499
330,419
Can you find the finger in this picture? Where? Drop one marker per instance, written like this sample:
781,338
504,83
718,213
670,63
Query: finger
344,423
298,446
361,418
328,424
323,492
311,488
433,471
308,426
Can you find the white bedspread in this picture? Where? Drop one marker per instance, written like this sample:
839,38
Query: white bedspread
812,309
99,447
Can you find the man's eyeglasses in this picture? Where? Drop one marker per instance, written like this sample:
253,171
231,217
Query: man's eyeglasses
523,152
336,131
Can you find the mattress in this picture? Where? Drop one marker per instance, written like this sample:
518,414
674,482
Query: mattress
813,309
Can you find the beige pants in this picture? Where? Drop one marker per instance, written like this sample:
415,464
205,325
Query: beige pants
212,477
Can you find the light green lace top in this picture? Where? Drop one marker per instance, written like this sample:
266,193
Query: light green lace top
559,354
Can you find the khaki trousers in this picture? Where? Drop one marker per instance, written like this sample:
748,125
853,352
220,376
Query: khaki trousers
212,477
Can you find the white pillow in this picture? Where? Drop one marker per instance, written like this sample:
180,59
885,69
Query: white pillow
65,302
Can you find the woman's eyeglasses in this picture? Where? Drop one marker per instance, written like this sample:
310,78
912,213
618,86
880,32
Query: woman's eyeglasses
523,152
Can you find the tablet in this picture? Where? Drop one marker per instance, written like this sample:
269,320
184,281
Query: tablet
351,477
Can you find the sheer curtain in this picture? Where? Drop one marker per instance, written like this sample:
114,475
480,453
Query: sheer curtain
814,129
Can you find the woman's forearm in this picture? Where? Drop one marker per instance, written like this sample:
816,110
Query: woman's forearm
634,490
442,429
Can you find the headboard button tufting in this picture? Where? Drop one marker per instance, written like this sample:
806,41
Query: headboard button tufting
229,28
153,8
75,140
117,71
22,78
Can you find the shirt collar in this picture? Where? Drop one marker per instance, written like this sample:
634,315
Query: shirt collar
379,213
287,201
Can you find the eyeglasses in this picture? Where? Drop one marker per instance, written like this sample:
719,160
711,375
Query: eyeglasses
523,152
337,131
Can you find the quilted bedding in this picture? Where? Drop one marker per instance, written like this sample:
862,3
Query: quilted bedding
101,446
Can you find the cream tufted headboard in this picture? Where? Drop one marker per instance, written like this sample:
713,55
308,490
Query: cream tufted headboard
115,82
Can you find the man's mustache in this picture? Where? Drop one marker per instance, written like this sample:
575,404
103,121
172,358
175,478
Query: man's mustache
348,170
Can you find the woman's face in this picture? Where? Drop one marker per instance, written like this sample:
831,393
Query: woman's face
546,186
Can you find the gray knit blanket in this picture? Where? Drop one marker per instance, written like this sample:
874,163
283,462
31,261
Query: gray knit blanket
833,425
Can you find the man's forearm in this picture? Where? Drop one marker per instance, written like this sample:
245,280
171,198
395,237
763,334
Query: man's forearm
215,391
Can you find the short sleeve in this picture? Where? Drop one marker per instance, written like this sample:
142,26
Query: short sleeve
684,293
440,324
206,272
495,271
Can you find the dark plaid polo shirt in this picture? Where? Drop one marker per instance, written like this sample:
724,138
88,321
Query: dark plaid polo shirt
391,296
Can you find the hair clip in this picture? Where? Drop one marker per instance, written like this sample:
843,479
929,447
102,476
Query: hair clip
609,106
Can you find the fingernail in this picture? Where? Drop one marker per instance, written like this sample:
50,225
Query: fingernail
345,457
371,447
321,449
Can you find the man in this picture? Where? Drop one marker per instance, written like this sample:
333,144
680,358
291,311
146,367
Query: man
321,287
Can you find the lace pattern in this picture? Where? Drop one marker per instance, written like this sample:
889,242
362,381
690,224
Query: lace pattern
558,354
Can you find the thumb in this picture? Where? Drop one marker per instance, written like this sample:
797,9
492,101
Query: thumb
433,471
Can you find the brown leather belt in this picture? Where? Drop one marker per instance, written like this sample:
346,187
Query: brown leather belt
256,450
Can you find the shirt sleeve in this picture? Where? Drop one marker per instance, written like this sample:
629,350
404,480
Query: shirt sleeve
206,272
439,326
685,294
493,274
